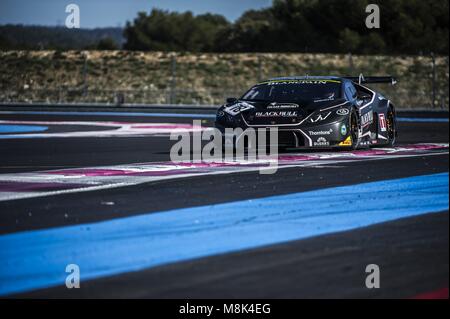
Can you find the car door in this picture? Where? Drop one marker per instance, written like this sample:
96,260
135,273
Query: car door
366,115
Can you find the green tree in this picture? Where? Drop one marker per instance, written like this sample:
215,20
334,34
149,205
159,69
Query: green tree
334,26
107,44
349,40
171,31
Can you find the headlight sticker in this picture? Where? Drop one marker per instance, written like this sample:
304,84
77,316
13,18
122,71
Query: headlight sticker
342,112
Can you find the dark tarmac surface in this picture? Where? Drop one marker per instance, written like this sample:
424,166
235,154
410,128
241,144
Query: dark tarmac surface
413,252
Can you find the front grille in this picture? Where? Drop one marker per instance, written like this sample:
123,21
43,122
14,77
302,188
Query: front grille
288,139
253,120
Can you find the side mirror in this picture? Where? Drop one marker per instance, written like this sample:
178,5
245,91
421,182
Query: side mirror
231,100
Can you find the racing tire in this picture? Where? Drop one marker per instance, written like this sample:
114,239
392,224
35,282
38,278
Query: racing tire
353,124
354,130
391,123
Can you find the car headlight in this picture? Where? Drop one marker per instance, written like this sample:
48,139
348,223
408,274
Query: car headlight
226,119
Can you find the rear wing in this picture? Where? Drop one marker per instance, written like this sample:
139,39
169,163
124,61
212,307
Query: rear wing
372,79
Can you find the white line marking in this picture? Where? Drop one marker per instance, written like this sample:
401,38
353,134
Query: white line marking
109,177
117,129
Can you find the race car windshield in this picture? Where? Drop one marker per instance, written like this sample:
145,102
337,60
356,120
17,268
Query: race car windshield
294,92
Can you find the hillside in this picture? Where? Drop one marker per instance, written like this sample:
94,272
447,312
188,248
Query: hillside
40,37
96,76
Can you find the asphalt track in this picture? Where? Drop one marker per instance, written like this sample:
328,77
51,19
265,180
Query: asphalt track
54,186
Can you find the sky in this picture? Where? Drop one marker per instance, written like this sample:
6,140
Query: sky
113,13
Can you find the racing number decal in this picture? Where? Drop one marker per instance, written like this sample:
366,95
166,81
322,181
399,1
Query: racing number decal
382,121
238,108
367,119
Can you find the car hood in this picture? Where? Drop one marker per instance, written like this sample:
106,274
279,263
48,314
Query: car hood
308,106
274,113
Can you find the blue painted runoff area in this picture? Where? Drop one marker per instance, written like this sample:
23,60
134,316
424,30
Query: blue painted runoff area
21,136
38,259
422,120
8,128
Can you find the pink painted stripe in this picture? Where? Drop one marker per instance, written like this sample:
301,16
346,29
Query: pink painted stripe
118,172
423,146
123,172
437,294
91,172
290,158
170,127
166,169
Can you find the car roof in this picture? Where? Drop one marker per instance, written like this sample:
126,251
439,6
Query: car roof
315,78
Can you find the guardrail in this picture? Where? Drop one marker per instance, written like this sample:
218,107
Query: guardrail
153,107
110,105
117,97
182,98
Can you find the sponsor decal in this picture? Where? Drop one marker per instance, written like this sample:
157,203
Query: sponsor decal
382,121
317,133
367,119
321,141
277,106
324,100
238,108
344,129
327,99
320,117
342,112
346,142
280,82
277,114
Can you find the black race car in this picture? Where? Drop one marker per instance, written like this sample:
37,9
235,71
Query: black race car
314,112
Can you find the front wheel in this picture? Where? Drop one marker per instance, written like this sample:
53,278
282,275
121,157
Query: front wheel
391,126
354,130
